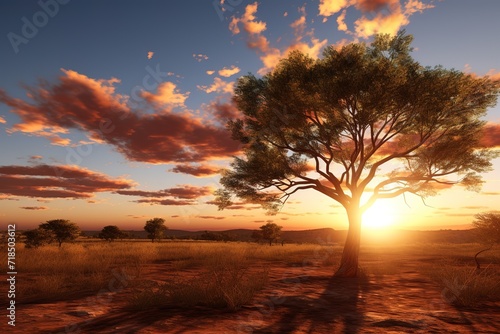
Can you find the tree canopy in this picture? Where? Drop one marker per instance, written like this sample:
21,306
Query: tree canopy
111,232
270,232
487,227
62,229
155,228
364,119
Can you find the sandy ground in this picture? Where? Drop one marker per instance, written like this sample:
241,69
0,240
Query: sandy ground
301,299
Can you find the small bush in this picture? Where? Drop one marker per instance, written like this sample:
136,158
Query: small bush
466,286
225,282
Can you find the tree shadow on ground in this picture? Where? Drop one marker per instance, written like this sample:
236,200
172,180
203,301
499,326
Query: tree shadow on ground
171,320
339,309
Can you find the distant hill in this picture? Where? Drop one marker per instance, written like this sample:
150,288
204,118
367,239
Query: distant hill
324,235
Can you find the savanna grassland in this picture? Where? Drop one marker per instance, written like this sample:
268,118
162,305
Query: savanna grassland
216,287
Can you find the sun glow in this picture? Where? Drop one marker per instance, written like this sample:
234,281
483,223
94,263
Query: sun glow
381,215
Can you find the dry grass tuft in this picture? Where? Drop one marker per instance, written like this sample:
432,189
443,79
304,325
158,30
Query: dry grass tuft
465,285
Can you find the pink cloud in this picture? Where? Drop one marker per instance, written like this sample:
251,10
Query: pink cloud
93,106
56,181
203,170
200,57
180,195
491,135
33,207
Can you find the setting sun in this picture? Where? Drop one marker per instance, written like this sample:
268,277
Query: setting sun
380,216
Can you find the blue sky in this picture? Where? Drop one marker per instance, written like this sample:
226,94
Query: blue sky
181,58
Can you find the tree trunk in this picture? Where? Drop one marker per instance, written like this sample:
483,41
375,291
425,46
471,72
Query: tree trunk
349,262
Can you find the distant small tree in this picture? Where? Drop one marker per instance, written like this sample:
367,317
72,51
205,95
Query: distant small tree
62,229
37,237
271,232
487,226
155,228
111,232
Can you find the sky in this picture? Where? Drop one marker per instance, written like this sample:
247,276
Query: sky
113,112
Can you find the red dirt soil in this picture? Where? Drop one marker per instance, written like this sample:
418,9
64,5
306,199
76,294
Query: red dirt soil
302,299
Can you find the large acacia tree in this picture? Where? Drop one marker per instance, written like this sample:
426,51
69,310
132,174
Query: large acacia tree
363,120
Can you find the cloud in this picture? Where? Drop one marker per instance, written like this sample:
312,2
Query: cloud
218,86
200,57
202,170
475,207
167,94
330,7
491,135
377,16
491,193
211,217
248,21
493,74
35,159
33,207
56,181
238,206
150,54
342,26
210,72
2,120
92,105
180,195
270,55
227,72
223,111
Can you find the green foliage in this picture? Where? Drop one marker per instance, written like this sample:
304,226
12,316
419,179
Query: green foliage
111,232
37,237
62,229
332,124
155,228
350,113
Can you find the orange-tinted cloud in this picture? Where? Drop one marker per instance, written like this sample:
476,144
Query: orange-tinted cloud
79,102
167,94
211,217
223,111
218,86
270,55
229,71
202,170
33,207
210,72
330,7
238,206
248,21
378,16
2,120
150,54
491,135
200,57
180,195
55,181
